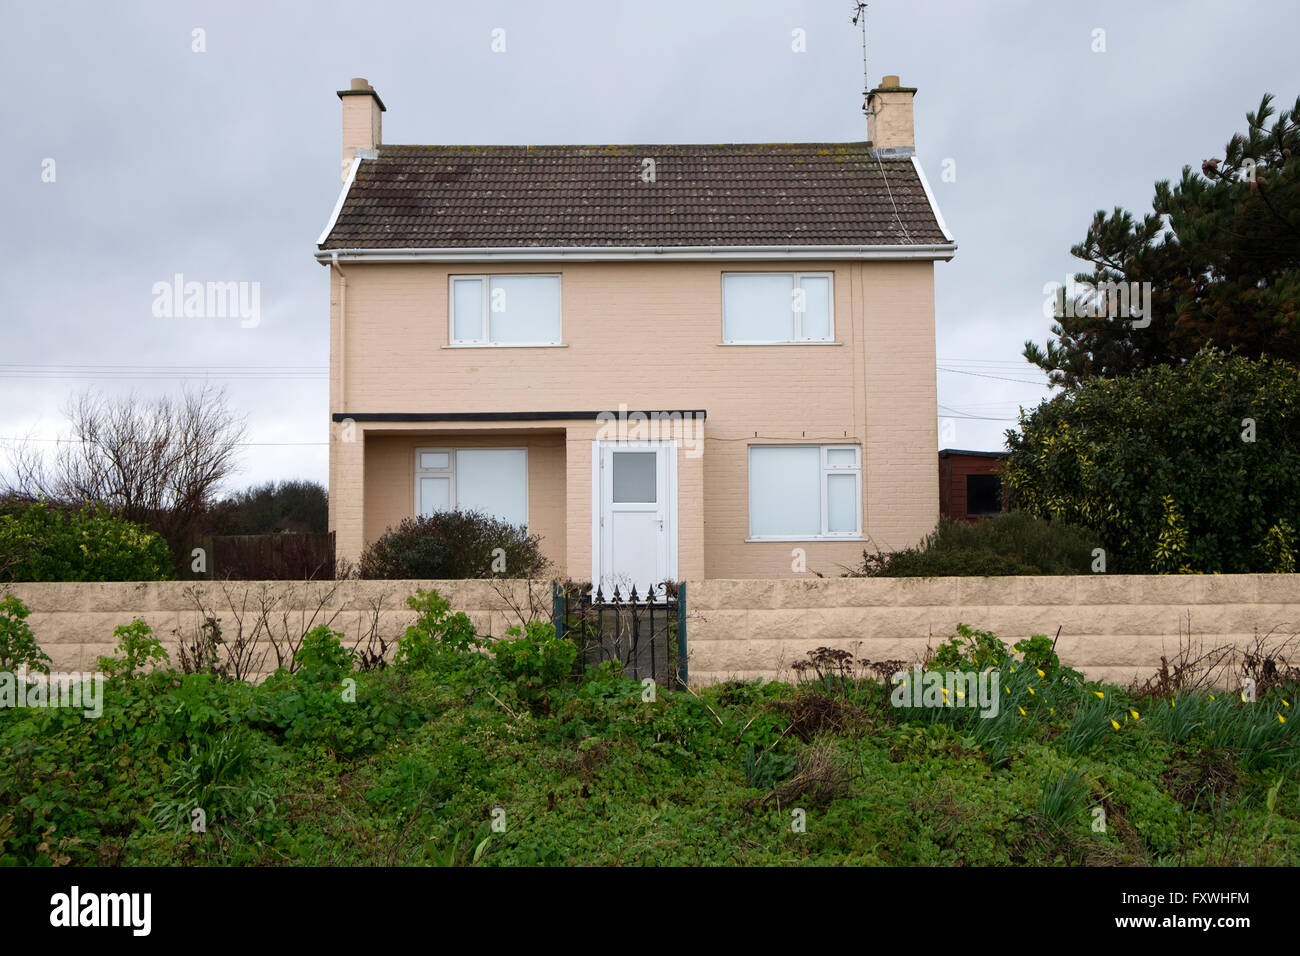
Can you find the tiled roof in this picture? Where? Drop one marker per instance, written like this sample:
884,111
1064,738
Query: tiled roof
767,194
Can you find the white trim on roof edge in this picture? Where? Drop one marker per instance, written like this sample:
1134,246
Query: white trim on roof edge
343,195
934,206
944,251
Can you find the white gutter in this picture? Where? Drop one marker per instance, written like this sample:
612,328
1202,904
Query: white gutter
934,206
930,251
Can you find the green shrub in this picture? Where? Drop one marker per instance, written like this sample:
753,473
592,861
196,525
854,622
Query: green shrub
322,658
454,545
437,637
1185,468
536,660
137,649
1011,543
970,650
18,647
49,544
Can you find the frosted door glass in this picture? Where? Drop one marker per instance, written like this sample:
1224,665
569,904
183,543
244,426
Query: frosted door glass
524,309
817,307
758,308
467,302
635,477
784,491
435,495
841,504
435,459
494,481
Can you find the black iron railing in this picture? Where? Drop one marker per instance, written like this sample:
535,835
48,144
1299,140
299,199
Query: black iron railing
645,632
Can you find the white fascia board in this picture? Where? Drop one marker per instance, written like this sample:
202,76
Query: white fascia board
343,195
934,206
929,251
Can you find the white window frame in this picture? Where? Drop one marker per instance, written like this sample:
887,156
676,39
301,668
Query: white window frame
798,338
450,472
827,469
485,324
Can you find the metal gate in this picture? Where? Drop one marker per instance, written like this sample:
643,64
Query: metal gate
646,633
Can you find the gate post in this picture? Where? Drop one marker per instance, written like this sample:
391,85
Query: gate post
682,670
557,608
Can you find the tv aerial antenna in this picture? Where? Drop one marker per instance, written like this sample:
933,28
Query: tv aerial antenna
860,20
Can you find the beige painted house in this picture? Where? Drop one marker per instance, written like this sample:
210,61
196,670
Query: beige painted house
670,361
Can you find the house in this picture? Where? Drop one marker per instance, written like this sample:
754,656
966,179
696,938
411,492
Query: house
669,361
970,483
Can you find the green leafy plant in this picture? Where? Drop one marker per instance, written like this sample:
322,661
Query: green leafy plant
137,650
436,635
1062,799
45,543
322,658
18,647
536,660
213,779
1188,467
970,650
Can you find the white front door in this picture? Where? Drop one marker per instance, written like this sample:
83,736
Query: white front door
635,507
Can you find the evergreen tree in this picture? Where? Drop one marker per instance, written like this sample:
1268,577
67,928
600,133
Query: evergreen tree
1223,269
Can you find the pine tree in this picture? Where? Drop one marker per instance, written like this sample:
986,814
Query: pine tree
1221,251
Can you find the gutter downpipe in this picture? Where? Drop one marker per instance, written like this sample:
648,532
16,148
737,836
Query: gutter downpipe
343,329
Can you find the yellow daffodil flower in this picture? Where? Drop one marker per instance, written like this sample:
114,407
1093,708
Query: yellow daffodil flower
1114,723
1099,694
1136,715
1023,714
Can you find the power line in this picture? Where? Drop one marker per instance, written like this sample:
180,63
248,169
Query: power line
1001,378
238,444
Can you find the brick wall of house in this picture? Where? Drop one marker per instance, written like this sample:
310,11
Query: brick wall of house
648,335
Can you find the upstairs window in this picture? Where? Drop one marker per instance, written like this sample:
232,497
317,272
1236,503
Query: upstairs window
777,307
505,310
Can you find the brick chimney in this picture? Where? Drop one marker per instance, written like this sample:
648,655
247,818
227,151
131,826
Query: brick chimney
889,118
362,113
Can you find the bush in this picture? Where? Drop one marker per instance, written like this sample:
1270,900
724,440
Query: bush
453,545
18,647
1011,543
322,658
436,636
48,544
536,660
1191,468
137,649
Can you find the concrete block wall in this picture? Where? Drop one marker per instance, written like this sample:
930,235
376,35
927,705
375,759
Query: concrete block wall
1113,627
74,623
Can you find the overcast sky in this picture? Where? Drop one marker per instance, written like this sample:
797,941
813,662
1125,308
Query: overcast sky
223,165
